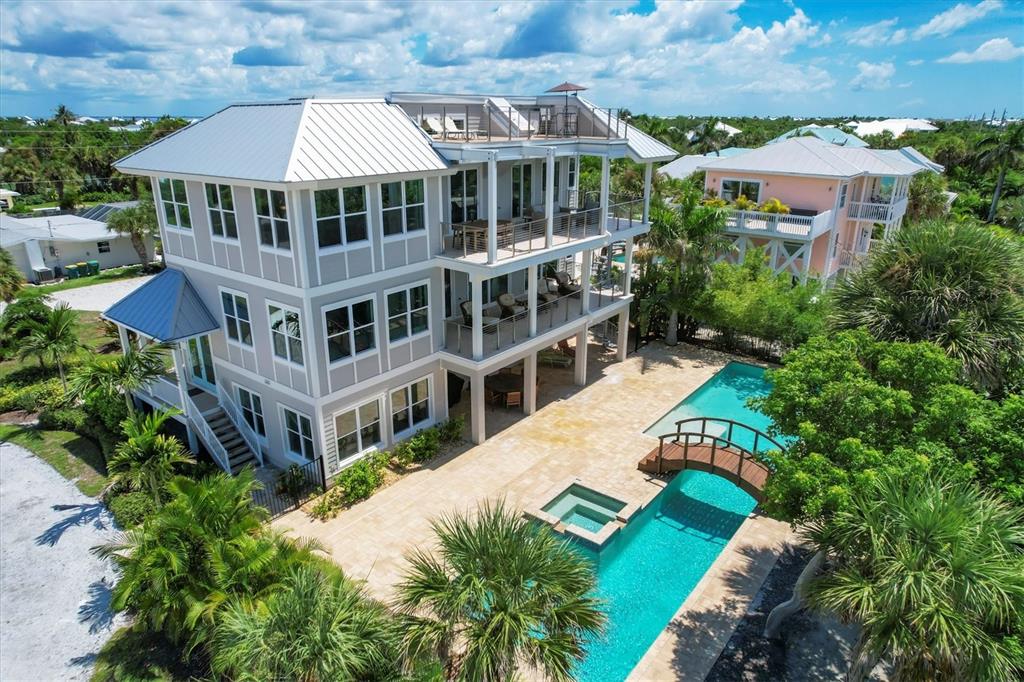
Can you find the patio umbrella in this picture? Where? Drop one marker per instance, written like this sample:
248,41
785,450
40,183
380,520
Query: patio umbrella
567,87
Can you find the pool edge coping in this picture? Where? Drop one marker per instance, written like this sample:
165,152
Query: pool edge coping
598,540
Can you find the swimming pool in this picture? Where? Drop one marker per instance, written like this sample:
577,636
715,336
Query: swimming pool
648,569
646,572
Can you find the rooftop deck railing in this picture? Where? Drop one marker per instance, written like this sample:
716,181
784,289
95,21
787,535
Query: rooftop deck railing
495,123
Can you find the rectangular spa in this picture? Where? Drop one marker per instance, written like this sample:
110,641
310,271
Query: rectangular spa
579,511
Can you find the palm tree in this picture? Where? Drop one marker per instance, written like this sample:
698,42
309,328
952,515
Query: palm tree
207,547
56,338
63,116
138,223
688,237
319,626
707,138
123,375
500,594
146,459
933,572
11,279
1001,150
959,285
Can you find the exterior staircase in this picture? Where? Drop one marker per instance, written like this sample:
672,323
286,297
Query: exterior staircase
239,453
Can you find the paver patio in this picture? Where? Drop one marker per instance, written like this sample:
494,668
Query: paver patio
594,433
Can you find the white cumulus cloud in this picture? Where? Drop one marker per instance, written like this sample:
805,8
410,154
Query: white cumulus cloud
955,18
873,76
879,33
995,50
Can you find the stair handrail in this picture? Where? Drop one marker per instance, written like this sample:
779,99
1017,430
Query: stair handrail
235,416
213,444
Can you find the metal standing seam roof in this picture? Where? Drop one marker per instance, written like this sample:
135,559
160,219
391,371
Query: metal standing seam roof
813,157
166,308
826,133
294,141
642,146
63,228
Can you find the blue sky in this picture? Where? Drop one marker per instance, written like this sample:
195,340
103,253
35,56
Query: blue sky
923,58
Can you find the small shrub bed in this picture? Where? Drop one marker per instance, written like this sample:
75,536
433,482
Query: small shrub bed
131,508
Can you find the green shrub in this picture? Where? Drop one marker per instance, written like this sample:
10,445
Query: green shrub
451,430
37,397
64,419
329,504
361,479
425,445
401,455
106,410
131,508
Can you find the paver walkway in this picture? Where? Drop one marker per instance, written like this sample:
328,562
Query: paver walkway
595,434
54,593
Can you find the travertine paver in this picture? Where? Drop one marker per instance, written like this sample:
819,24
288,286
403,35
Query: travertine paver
595,434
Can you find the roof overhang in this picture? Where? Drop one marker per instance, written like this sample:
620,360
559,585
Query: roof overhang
166,308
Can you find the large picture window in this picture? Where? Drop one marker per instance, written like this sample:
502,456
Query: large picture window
350,330
236,317
402,204
175,203
285,334
463,186
408,312
340,216
733,189
221,206
272,218
251,405
410,406
358,430
298,434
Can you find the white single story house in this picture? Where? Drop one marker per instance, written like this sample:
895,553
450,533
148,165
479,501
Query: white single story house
43,247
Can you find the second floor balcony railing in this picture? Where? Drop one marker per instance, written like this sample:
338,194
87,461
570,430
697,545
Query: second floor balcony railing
782,224
519,236
881,212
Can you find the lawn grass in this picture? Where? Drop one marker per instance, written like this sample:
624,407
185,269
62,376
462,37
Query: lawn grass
91,334
75,457
111,275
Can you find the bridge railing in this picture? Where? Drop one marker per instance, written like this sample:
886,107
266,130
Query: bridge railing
687,435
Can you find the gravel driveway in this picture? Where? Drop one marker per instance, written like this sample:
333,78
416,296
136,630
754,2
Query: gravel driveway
98,297
54,594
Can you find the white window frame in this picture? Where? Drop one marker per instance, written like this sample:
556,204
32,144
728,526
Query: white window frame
176,202
351,331
412,428
291,454
844,189
408,312
363,449
273,248
759,183
220,211
103,247
234,293
345,244
270,324
262,415
404,208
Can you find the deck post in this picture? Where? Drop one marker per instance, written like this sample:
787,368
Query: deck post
476,294
549,200
714,447
739,469
648,170
585,272
622,341
478,414
661,452
531,297
627,268
605,180
179,368
530,383
492,207
580,362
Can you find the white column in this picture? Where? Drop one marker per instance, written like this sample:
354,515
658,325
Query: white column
179,368
627,280
585,271
441,396
581,358
549,201
622,342
807,261
477,413
531,297
530,383
605,175
477,295
122,335
648,169
492,208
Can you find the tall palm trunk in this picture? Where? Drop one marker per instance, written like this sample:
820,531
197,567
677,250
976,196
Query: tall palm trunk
139,244
63,379
999,191
672,333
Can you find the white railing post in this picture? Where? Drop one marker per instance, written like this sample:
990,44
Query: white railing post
627,279
531,297
588,261
476,294
648,170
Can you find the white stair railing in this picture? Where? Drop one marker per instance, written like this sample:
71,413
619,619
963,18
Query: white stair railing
235,415
198,422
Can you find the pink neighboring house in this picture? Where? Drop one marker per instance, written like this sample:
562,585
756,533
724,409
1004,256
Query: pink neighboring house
842,200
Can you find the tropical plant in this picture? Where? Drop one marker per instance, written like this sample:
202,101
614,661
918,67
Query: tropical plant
707,138
1011,214
11,279
318,626
122,375
139,223
500,595
933,573
742,203
926,197
63,116
773,205
205,548
146,459
958,285
687,238
999,151
56,338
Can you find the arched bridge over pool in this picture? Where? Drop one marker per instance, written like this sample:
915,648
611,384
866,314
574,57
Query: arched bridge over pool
723,447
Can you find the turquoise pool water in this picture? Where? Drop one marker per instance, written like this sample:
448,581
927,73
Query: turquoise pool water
584,507
724,395
646,572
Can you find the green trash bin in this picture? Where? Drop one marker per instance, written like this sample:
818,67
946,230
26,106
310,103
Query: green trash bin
72,271
83,268
94,267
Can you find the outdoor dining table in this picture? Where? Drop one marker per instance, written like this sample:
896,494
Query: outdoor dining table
501,385
473,233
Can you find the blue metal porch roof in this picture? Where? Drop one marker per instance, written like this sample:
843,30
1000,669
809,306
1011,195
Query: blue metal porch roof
166,308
